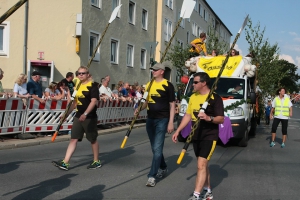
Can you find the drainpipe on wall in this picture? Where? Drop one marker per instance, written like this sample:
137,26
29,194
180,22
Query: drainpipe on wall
25,39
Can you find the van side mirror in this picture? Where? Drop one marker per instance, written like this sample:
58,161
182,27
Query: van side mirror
252,97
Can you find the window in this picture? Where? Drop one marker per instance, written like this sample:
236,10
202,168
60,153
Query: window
130,52
196,7
143,59
170,30
200,10
114,51
213,23
198,31
205,15
182,21
4,39
145,19
131,12
169,3
96,3
167,29
221,32
180,42
194,28
116,3
94,37
188,37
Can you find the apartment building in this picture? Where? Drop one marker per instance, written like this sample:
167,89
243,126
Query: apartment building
55,37
62,35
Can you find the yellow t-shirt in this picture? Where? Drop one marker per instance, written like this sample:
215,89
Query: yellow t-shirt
198,42
206,130
195,102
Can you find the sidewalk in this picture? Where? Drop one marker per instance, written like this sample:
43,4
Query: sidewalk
10,143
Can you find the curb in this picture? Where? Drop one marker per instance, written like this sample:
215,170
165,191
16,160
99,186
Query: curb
18,143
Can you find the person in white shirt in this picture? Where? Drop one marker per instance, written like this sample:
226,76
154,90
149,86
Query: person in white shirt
138,96
238,89
20,87
105,91
281,113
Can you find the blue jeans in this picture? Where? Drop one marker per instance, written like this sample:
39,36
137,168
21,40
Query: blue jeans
156,129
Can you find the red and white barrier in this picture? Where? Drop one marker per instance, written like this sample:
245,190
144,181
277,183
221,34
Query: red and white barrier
12,112
41,117
38,117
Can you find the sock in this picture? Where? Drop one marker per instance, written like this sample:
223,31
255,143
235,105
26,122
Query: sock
196,194
208,190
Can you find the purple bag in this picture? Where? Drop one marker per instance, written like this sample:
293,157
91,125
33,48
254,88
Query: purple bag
225,130
186,130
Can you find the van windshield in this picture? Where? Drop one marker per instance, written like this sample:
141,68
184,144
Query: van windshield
227,88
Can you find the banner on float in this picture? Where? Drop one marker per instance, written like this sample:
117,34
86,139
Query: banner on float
212,65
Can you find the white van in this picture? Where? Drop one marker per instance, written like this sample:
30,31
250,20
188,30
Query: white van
239,106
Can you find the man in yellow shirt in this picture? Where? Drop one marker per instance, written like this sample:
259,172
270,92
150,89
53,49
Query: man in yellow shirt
206,135
198,45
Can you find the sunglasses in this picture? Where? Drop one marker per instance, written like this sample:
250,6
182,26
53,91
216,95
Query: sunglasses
82,73
155,70
196,82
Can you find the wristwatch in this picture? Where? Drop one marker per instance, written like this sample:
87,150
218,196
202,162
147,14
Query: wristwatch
85,114
211,118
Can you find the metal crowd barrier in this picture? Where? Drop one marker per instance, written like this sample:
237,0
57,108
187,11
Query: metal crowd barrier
12,113
37,117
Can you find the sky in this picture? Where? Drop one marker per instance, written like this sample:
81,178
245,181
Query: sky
279,17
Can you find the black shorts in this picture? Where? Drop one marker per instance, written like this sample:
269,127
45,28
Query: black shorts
284,124
204,148
88,126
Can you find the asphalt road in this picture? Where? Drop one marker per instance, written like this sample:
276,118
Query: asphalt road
254,172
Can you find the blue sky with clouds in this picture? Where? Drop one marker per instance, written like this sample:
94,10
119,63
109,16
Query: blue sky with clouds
280,18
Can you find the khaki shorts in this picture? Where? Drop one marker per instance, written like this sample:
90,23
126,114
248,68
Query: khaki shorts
88,126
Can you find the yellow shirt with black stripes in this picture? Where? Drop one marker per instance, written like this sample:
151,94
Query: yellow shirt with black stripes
160,95
83,97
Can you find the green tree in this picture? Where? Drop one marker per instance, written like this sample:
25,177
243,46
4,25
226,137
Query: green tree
213,41
178,55
272,73
269,72
289,81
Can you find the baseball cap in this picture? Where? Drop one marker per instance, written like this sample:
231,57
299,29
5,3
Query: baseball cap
158,66
35,73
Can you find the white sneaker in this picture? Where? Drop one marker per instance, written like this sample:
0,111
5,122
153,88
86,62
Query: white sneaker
194,198
151,182
206,195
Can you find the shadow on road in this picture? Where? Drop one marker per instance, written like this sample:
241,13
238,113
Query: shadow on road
44,189
94,192
8,167
108,157
217,174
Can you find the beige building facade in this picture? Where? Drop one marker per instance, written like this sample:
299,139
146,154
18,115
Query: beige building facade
55,37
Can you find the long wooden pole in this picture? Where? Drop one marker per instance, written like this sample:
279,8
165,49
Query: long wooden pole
196,124
113,16
12,10
145,97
